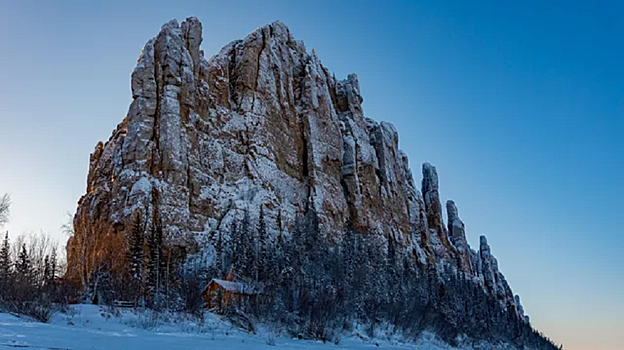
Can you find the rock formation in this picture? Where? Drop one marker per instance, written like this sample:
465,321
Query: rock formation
261,124
457,235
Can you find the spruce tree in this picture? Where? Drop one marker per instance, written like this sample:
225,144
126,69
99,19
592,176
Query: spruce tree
261,260
236,249
135,248
23,266
391,261
219,265
155,258
249,266
5,261
47,271
243,251
53,266
136,242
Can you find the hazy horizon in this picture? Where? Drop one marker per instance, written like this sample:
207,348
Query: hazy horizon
519,107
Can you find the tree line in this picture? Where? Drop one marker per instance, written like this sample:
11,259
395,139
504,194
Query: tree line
309,284
31,273
317,287
30,276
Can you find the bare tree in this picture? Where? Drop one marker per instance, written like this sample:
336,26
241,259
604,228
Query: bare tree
5,206
68,227
38,247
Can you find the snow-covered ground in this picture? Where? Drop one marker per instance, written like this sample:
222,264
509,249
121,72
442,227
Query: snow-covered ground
93,327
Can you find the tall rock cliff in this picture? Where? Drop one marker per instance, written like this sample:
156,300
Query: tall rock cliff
261,124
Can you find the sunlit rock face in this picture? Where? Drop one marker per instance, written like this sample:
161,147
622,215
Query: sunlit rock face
261,124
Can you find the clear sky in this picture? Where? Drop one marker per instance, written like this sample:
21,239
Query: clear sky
520,107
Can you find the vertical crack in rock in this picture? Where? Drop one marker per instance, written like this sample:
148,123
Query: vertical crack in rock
232,77
192,33
305,164
259,58
155,135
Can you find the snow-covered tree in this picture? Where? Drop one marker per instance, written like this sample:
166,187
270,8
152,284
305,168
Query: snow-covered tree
155,262
136,241
136,258
23,267
5,206
5,262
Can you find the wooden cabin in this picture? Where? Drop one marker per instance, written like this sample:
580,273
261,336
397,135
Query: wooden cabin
220,293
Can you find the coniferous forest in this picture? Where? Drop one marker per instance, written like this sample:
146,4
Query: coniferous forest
310,285
306,284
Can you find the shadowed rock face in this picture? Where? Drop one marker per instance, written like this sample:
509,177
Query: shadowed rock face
457,235
260,124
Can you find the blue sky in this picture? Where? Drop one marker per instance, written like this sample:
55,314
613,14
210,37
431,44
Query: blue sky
520,107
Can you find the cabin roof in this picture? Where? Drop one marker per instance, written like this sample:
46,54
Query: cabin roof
232,287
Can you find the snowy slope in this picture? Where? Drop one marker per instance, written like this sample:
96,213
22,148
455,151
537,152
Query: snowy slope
93,327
